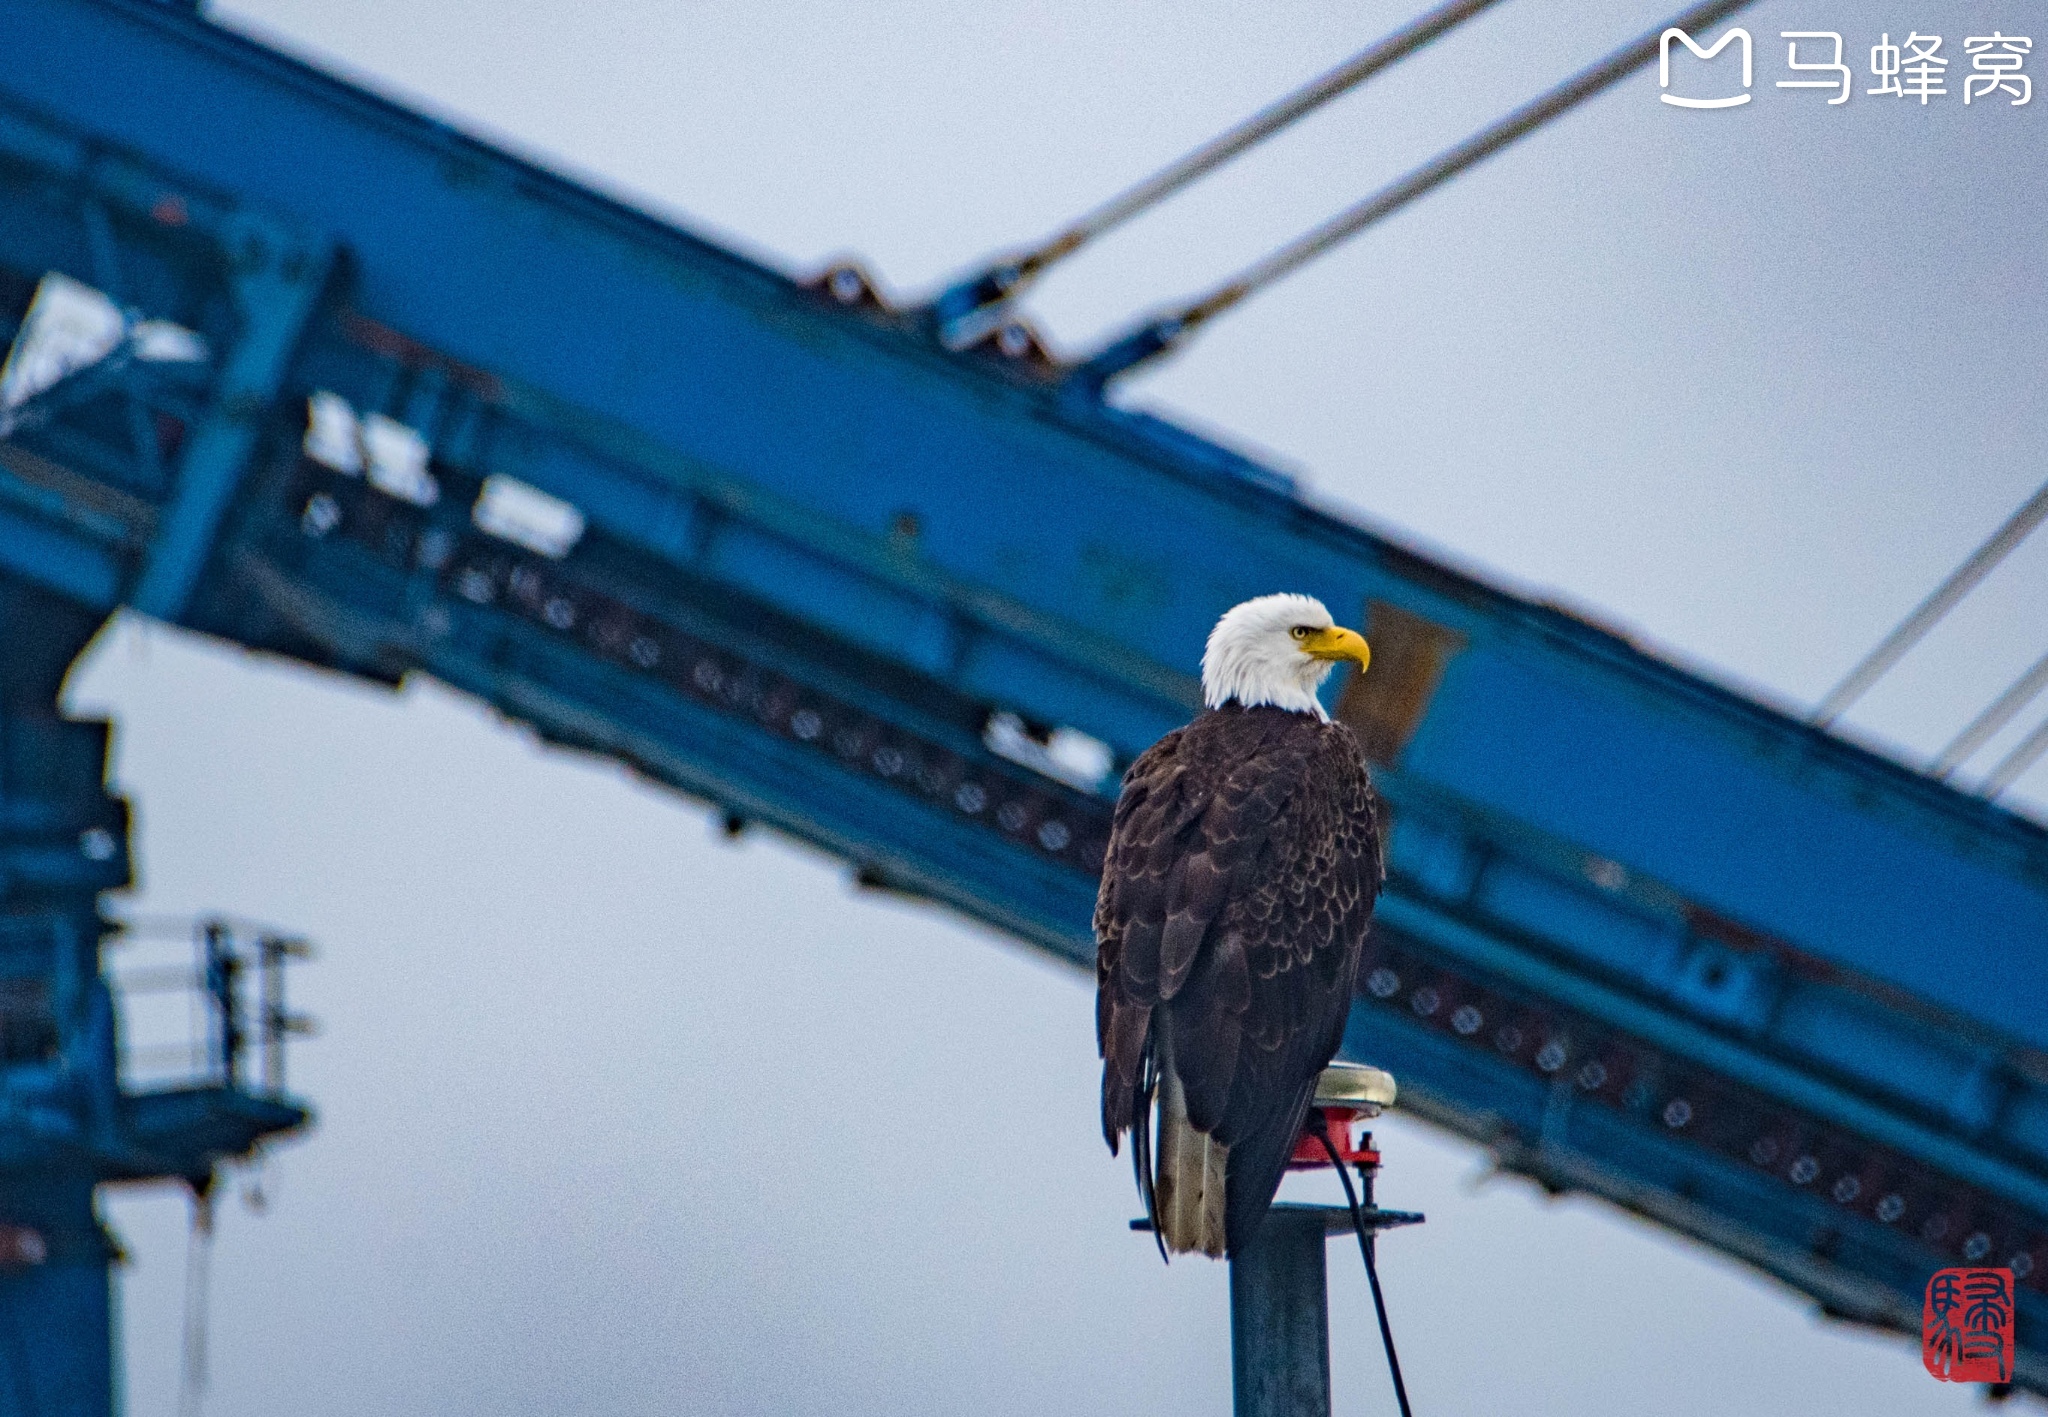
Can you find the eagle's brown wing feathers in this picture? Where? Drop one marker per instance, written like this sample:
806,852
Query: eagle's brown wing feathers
1241,872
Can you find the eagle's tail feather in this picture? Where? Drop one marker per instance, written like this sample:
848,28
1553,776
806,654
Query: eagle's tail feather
1260,1160
1188,1180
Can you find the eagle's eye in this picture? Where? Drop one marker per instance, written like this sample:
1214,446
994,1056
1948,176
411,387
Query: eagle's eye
1300,632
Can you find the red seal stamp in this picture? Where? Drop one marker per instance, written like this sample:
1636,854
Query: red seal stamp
1966,1326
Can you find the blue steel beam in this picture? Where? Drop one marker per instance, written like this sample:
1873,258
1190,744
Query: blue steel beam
1643,937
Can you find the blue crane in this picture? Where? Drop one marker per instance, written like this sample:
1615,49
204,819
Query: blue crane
351,387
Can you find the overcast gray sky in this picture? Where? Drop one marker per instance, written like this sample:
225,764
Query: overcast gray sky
616,1117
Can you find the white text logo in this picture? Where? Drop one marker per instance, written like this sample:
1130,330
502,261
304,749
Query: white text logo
1913,68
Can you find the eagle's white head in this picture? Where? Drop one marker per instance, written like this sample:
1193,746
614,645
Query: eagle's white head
1276,650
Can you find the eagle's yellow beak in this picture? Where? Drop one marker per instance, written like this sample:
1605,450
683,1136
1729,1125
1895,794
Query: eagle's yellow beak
1338,643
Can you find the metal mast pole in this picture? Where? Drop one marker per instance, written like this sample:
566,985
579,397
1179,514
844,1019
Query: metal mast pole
1280,1318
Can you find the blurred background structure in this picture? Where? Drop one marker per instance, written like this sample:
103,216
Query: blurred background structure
348,387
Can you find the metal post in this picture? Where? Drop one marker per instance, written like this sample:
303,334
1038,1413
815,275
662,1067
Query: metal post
277,1022
270,957
1280,1318
222,970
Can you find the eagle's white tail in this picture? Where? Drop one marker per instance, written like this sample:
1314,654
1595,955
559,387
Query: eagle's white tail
1188,1178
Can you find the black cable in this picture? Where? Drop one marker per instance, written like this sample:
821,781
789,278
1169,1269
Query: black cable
1007,278
1984,727
2013,764
1942,599
1162,333
198,1263
1372,1273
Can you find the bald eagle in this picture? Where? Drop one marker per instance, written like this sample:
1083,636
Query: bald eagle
1242,867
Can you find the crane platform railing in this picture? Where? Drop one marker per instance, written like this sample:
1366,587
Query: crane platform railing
200,1002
